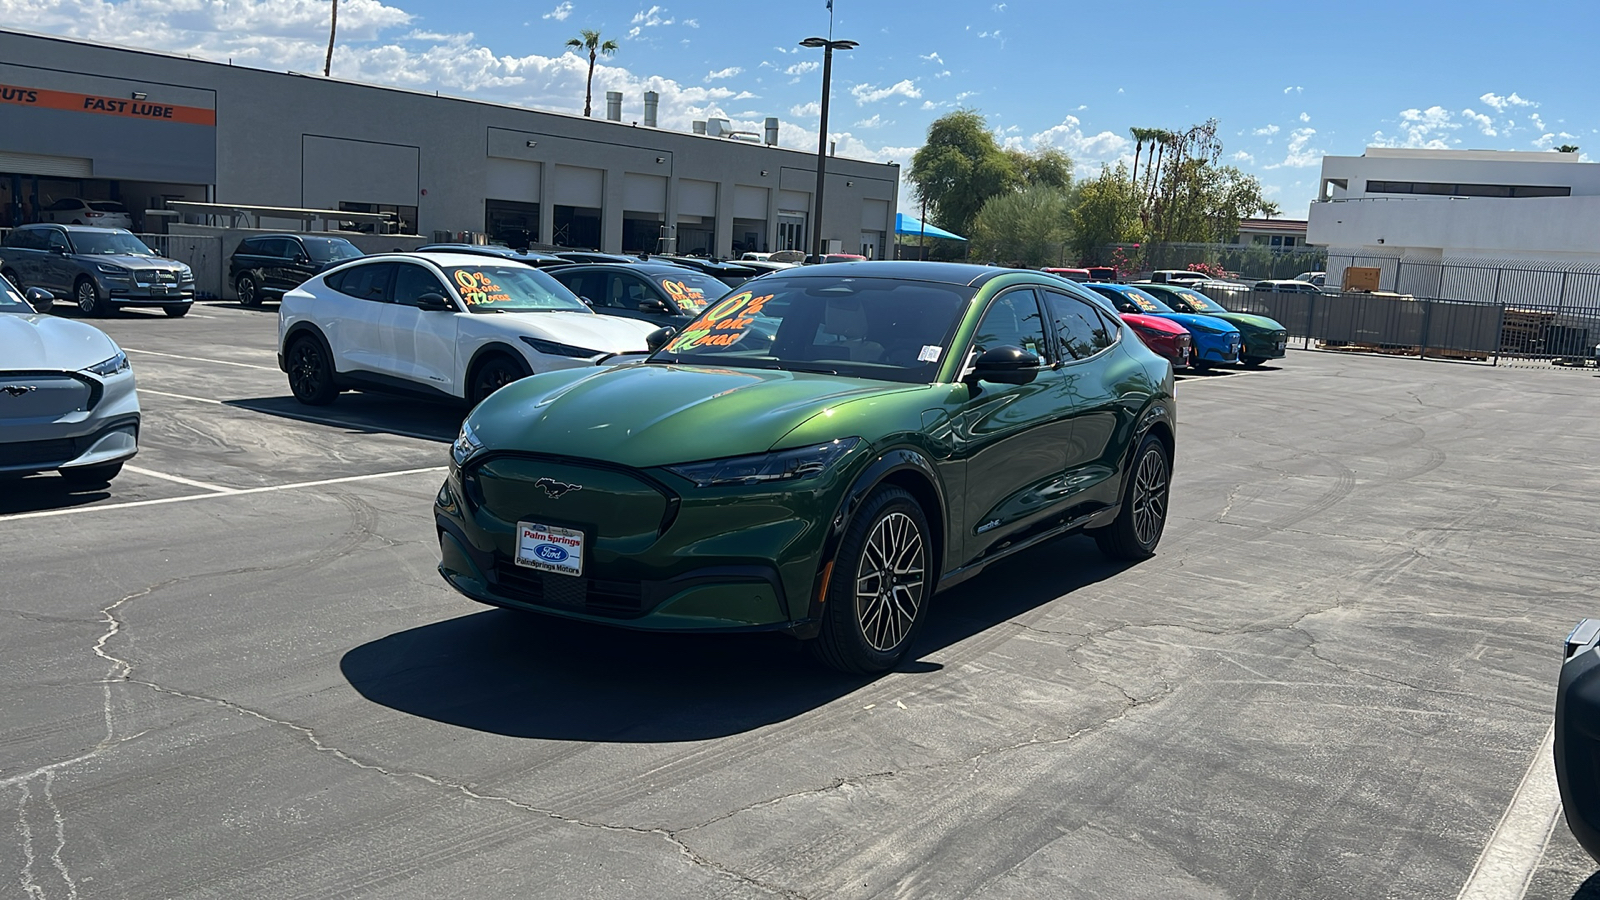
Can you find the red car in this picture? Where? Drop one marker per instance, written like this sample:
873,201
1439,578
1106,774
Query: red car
1164,336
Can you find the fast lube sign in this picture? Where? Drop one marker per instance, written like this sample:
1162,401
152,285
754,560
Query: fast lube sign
38,98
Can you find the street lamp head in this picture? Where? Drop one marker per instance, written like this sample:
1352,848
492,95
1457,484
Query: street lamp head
815,42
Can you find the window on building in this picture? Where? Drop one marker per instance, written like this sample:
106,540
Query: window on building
1446,189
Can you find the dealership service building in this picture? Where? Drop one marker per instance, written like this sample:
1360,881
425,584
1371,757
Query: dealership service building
80,119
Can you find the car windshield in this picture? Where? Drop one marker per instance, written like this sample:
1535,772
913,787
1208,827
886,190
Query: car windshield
511,287
109,243
1194,301
11,301
1147,303
866,327
691,290
330,249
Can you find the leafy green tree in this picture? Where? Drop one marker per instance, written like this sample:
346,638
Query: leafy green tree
589,40
1046,166
1106,212
1197,199
959,169
1023,227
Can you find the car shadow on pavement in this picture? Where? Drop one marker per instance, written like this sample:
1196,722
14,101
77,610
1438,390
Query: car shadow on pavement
366,413
43,492
531,676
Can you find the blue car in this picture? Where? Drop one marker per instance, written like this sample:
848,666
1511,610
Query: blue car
1215,341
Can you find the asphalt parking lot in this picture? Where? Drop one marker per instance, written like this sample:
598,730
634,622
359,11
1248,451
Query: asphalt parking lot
236,673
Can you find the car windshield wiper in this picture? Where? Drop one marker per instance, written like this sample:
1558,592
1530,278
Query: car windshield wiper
810,370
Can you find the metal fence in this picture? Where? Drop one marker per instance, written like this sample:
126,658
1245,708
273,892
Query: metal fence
1549,328
202,253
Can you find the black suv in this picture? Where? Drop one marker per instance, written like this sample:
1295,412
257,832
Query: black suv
264,266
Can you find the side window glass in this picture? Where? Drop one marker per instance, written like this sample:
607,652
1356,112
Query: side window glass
411,282
1079,328
616,292
1012,320
57,239
367,282
284,248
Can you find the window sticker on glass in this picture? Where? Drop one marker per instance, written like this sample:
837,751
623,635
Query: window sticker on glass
691,298
723,325
1144,303
477,287
930,353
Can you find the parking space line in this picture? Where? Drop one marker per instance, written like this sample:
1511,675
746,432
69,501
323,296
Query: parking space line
145,390
214,488
232,492
1507,863
220,362
301,417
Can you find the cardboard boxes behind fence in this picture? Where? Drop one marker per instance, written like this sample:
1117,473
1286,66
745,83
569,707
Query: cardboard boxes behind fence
1361,278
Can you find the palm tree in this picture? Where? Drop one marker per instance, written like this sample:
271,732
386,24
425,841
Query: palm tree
590,41
1567,148
333,29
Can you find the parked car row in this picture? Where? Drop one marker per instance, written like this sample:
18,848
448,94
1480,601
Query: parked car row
1217,336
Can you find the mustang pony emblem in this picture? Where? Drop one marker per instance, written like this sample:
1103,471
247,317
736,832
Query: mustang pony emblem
556,489
17,390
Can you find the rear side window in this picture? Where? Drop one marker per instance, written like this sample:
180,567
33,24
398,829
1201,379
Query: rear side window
1078,326
370,282
1012,320
105,206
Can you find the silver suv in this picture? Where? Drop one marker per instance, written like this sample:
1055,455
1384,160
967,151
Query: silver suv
99,269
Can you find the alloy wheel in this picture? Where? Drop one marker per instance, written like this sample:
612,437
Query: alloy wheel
88,299
889,581
305,369
1150,497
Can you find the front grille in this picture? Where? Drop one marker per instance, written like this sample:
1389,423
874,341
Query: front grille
592,595
27,453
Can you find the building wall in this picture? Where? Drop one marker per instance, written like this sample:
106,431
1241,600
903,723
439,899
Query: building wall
1421,226
292,140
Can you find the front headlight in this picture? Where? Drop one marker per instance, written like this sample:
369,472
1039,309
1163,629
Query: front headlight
554,348
466,444
185,274
109,367
113,271
765,468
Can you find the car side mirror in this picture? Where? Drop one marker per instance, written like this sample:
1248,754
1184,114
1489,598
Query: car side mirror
653,306
40,299
587,302
1005,364
656,339
300,258
58,250
434,302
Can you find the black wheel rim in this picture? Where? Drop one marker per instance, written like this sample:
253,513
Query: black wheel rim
305,370
493,378
247,292
889,581
1150,498
86,297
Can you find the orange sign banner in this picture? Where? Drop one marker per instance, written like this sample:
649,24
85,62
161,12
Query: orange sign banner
38,98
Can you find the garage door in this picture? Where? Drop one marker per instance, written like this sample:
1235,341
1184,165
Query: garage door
32,164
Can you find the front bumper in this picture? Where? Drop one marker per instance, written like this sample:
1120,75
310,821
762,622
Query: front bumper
1265,345
1216,348
108,442
125,293
719,559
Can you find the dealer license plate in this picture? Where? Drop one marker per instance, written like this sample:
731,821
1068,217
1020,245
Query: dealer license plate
1282,344
550,549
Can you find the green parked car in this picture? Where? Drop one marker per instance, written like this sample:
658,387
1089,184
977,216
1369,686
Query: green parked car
1264,338
818,453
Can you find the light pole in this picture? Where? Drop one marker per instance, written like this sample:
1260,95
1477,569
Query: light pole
828,45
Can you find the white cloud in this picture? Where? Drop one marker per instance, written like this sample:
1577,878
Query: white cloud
1305,117
875,122
1536,120
801,68
1500,104
999,7
1241,156
944,74
649,18
806,110
934,58
871,93
1085,149
560,13
1266,131
1427,129
692,23
1294,89
720,74
1300,153
1484,123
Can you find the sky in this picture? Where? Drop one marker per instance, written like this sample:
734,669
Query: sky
1288,82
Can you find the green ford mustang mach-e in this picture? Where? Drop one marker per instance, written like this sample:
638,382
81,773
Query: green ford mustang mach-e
818,453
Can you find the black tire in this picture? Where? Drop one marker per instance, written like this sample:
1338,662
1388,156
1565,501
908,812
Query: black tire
1254,362
87,296
310,372
248,290
1199,365
889,550
1137,530
492,374
177,310
92,476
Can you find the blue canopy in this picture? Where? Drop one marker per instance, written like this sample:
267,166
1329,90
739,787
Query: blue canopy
904,224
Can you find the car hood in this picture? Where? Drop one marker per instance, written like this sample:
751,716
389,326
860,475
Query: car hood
607,334
1199,323
1249,322
1154,323
32,342
650,414
134,262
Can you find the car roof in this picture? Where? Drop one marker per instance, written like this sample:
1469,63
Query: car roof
439,258
99,229
967,274
647,267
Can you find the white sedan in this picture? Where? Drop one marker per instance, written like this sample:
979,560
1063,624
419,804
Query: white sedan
448,325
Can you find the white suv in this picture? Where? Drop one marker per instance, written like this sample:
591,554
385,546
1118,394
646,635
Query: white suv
448,325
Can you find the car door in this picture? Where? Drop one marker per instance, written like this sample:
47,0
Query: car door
422,342
355,324
1012,436
1086,335
56,269
24,252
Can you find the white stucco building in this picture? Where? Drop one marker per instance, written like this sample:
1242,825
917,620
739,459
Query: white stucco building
1457,205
